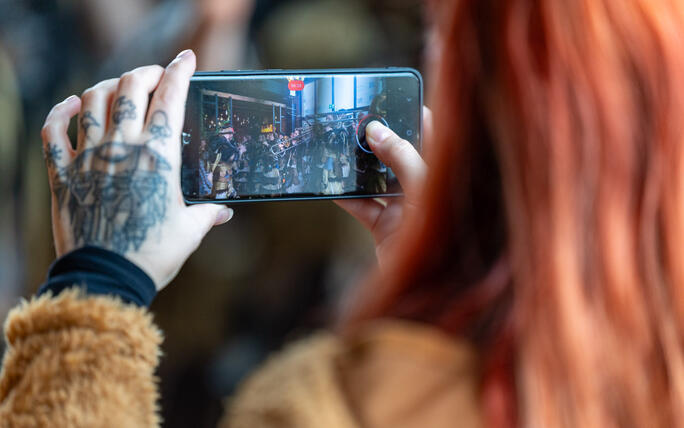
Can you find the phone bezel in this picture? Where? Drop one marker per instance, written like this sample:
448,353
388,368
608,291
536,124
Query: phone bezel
288,72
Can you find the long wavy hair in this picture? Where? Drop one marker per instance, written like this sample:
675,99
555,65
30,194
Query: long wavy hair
552,230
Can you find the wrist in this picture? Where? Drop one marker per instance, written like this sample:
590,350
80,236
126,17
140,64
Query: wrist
100,272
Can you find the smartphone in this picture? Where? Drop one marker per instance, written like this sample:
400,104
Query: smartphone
294,134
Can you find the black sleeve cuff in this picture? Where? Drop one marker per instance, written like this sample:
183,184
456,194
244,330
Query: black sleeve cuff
100,271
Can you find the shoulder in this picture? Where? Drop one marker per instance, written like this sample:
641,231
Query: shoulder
389,373
295,388
405,374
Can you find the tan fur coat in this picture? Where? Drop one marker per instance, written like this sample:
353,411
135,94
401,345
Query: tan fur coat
83,361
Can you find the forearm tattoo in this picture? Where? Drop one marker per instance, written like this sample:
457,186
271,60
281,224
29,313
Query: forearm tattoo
114,194
123,109
88,121
159,125
52,155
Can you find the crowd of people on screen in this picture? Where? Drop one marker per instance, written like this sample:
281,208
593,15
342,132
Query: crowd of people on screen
247,156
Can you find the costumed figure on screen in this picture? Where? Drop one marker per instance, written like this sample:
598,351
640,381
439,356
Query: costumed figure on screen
224,145
223,182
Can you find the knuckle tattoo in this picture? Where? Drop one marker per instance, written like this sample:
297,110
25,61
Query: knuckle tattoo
88,121
52,155
123,109
159,125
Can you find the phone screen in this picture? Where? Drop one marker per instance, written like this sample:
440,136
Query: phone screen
286,136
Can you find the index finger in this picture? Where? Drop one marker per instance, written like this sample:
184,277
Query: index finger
399,155
166,112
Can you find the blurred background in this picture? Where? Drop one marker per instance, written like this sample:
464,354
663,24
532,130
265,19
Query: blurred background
277,270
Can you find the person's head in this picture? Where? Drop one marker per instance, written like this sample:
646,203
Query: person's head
551,229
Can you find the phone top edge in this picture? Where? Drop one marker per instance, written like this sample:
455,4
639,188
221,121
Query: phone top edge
282,71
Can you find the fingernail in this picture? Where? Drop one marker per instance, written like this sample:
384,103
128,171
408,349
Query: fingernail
184,54
223,216
70,98
376,132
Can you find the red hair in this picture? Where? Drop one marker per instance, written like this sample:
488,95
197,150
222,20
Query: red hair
553,221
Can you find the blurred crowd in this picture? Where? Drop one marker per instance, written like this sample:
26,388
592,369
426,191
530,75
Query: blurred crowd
296,273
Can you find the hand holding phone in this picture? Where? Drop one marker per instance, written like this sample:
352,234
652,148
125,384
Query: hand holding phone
120,187
382,217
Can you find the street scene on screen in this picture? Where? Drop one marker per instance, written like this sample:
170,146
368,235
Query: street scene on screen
280,136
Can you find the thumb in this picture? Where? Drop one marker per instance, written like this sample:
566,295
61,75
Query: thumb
399,155
209,215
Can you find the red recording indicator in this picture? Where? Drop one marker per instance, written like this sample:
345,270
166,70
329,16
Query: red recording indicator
295,85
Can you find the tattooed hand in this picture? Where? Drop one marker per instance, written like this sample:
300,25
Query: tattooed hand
120,187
